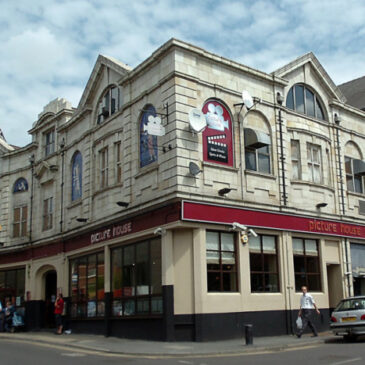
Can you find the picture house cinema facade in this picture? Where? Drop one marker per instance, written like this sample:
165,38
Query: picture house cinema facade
153,229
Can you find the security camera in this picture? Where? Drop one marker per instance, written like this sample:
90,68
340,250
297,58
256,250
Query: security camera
238,226
159,231
252,232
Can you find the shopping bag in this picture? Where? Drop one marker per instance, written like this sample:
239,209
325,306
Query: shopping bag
299,323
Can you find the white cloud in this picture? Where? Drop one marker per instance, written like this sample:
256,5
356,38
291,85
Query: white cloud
49,46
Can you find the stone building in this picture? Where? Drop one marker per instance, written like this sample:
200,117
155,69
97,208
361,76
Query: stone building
153,227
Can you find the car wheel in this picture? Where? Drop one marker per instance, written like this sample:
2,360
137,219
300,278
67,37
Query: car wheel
349,338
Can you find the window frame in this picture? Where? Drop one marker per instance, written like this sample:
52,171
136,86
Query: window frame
256,152
312,163
105,108
118,156
4,274
295,160
306,273
79,302
351,176
104,167
47,222
127,298
221,271
264,272
317,103
22,223
49,142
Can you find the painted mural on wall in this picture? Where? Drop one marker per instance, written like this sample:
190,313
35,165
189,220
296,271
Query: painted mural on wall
148,142
20,185
76,176
217,137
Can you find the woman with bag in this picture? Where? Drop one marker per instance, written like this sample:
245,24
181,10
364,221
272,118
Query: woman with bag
58,310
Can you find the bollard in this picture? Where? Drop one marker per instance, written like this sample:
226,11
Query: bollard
248,333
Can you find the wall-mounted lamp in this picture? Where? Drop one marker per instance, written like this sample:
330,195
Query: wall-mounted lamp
31,159
159,231
337,119
224,191
81,220
123,204
279,98
62,143
321,205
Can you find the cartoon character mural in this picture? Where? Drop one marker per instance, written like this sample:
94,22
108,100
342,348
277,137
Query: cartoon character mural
148,142
76,176
217,137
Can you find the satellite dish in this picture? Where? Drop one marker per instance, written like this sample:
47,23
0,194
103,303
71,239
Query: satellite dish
247,99
194,169
197,120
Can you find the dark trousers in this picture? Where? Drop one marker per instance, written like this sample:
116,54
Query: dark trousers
307,321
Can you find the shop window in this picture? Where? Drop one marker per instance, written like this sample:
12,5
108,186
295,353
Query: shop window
47,213
20,218
306,264
87,286
264,264
148,142
108,104
221,262
295,160
103,168
136,279
218,135
301,99
118,161
49,142
314,160
76,192
354,175
12,287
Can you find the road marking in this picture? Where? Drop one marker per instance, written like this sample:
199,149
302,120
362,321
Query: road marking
347,361
185,362
73,354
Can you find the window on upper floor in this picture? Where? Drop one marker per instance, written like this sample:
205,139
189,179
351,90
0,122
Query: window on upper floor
148,151
301,99
20,218
354,175
109,104
47,213
49,142
76,173
103,168
118,162
314,161
295,159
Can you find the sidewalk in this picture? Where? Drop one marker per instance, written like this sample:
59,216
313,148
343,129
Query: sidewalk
142,348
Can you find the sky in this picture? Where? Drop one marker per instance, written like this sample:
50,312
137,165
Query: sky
48,47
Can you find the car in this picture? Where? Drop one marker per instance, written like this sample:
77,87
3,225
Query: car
348,318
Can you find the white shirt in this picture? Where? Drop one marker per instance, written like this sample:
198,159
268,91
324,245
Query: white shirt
306,301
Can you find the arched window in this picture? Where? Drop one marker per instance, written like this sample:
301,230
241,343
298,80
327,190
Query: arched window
20,185
76,175
301,99
147,142
218,135
109,104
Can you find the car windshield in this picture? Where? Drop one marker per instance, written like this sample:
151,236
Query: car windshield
351,304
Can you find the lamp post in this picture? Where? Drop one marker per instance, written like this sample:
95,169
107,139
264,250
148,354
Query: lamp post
31,161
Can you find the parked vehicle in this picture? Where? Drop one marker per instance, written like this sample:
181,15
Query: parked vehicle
348,318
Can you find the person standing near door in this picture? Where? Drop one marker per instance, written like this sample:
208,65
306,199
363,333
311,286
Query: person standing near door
307,304
58,310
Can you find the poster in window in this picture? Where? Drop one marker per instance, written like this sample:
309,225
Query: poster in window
76,177
148,142
217,137
20,185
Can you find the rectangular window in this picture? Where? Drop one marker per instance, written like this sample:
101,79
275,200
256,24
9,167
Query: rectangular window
264,264
137,279
20,221
314,160
221,262
295,159
258,159
87,286
12,285
49,142
306,264
355,183
47,213
118,162
104,162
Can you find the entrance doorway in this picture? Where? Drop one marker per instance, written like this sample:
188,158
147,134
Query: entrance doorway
334,289
50,278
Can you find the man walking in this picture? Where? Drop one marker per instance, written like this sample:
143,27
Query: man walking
307,305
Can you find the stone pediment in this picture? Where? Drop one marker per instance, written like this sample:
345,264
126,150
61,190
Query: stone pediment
44,168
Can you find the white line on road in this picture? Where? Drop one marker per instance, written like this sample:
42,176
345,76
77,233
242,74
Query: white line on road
73,354
347,361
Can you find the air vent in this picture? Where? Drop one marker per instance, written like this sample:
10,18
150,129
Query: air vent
362,207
